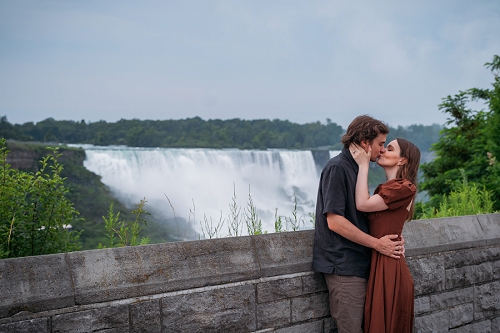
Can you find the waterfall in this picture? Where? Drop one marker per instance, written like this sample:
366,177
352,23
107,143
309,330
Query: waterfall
334,153
198,185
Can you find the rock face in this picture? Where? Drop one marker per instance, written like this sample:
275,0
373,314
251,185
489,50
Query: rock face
260,283
23,159
27,156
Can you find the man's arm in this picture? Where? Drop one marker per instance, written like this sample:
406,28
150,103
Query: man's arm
346,229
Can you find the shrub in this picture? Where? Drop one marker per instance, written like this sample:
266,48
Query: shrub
35,215
465,199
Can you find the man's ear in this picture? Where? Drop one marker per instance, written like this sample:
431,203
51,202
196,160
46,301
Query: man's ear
403,161
364,144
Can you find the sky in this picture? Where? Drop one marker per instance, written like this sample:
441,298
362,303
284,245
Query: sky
302,61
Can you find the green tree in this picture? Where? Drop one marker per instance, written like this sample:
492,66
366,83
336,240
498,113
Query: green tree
422,136
35,216
9,131
469,141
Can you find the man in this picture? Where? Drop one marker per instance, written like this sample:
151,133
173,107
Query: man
342,245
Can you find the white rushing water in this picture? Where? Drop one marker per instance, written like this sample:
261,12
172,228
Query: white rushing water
201,183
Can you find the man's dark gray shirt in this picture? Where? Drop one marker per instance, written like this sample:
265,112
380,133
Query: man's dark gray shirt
332,253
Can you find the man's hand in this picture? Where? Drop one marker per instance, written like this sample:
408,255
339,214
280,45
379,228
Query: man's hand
388,247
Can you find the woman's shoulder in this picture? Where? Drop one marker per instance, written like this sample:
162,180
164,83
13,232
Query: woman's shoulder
396,192
397,184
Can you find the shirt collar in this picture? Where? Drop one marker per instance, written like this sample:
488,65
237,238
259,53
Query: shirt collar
351,160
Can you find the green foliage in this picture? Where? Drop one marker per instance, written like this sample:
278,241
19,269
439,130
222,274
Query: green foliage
253,222
470,142
35,214
210,229
312,219
466,199
294,221
190,133
251,218
8,130
234,221
121,233
110,223
422,136
198,133
278,223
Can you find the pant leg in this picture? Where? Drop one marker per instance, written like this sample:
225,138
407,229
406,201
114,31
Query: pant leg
347,301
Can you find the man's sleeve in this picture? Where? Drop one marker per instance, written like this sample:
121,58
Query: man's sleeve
333,185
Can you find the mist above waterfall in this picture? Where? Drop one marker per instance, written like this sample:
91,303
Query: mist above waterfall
200,184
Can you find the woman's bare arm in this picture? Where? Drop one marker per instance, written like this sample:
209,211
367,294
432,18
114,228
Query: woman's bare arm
365,202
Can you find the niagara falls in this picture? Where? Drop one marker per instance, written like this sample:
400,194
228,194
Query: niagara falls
189,186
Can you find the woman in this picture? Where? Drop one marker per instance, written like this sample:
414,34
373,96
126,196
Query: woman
389,294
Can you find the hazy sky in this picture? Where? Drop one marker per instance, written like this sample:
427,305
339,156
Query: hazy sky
304,61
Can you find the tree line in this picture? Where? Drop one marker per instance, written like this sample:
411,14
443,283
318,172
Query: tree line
198,133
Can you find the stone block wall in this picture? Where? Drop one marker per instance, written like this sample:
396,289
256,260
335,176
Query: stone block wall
455,263
258,283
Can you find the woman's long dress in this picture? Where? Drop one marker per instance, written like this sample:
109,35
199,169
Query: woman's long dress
389,293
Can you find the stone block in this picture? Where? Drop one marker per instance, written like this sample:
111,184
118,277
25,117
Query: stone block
452,298
312,327
496,269
446,234
285,252
483,327
145,317
436,322
106,319
460,277
470,257
38,325
468,275
487,300
428,274
273,314
314,283
218,310
490,224
110,274
309,307
279,289
35,284
461,315
495,324
422,305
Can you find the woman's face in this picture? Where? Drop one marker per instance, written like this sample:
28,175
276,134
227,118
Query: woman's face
391,156
377,147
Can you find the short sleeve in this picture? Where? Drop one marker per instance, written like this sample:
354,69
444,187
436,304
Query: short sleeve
334,190
396,192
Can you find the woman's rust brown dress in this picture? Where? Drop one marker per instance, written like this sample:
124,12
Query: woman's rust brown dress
389,293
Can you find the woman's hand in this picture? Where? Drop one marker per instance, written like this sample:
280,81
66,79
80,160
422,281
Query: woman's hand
361,156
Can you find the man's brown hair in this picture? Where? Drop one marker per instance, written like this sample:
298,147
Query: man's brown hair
363,128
